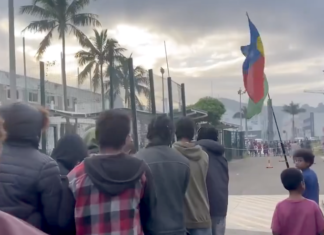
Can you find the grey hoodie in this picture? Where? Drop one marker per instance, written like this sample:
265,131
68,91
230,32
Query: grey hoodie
196,201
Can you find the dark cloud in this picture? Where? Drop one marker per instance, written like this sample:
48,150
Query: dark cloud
290,30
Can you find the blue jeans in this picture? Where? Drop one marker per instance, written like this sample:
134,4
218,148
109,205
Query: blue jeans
218,225
200,231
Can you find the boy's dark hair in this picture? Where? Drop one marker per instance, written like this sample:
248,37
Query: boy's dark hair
160,131
207,132
112,129
185,128
291,178
305,154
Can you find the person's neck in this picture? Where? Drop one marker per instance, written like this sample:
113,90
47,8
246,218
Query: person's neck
295,195
185,140
110,151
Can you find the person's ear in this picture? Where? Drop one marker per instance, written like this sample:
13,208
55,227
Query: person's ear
45,118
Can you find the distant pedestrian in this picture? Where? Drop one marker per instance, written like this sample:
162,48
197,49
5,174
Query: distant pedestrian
296,215
217,178
304,159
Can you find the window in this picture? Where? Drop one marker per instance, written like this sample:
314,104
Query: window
33,97
9,96
71,101
50,98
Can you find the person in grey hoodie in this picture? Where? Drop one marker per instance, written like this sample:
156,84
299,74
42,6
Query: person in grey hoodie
171,174
198,221
217,177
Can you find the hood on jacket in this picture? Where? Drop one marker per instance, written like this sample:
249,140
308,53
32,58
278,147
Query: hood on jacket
212,146
189,150
90,140
11,225
113,174
70,150
23,123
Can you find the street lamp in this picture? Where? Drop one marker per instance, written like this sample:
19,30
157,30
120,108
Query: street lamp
162,74
12,51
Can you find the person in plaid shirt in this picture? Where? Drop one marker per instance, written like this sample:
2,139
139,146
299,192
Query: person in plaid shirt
113,191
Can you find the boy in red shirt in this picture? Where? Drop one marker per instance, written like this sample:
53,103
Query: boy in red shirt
296,215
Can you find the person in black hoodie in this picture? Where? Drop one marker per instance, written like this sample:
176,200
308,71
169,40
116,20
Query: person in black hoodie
113,191
70,151
217,178
30,184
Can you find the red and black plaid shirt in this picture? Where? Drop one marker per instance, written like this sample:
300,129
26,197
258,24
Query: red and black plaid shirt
99,214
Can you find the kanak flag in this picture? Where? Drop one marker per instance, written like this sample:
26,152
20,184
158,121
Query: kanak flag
253,66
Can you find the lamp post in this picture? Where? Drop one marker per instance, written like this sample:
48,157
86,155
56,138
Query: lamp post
12,51
162,74
240,92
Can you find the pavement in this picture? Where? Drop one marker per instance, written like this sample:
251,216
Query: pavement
254,192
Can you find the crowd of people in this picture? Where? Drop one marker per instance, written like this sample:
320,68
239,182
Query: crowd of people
99,184
265,148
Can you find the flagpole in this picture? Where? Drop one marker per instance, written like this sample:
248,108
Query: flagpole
281,143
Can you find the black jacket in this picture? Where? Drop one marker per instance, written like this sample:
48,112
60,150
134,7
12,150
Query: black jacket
70,151
30,184
171,174
217,177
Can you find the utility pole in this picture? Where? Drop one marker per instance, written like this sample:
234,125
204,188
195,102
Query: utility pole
25,73
163,101
240,92
12,52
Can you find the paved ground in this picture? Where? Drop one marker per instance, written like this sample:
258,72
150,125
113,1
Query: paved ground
254,192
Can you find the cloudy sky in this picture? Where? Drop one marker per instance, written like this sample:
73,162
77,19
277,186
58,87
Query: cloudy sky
203,41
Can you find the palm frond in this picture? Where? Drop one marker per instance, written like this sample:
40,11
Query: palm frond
86,72
37,11
84,57
41,26
85,19
80,36
76,6
46,42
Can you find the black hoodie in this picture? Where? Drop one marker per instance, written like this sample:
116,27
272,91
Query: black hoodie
217,177
30,184
70,150
113,174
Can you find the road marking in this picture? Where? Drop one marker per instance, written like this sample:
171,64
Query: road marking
252,212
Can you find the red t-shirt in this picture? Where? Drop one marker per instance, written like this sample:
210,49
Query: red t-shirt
303,217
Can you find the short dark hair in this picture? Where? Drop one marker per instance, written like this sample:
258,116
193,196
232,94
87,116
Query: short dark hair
207,132
160,130
291,178
185,128
306,155
112,129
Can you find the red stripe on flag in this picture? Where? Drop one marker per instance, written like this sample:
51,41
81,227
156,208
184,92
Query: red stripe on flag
253,80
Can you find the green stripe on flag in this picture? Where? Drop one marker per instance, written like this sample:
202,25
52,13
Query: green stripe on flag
256,108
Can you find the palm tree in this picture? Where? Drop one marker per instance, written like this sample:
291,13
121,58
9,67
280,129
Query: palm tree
243,114
114,57
141,82
293,109
63,16
96,58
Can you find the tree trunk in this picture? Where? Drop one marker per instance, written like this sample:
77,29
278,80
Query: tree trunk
65,103
293,126
102,89
246,125
68,127
111,77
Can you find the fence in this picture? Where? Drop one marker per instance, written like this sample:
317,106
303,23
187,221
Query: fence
160,97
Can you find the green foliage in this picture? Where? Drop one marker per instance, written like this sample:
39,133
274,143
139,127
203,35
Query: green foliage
293,109
212,106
